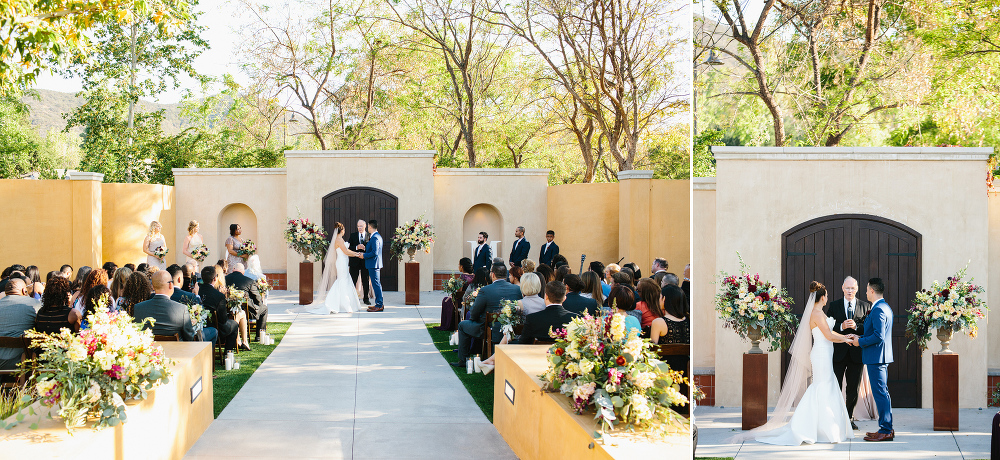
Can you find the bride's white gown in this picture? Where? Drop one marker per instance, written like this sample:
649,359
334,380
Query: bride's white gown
342,297
821,415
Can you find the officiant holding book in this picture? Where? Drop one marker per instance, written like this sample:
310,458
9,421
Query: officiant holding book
356,243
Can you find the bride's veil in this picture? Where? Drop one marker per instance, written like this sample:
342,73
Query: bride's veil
329,268
796,379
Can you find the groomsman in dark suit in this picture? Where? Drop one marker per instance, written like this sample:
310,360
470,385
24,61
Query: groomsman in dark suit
356,243
482,256
519,250
549,250
849,315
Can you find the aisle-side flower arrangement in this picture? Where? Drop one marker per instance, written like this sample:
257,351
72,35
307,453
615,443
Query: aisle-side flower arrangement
416,234
236,299
160,252
263,285
95,371
200,253
472,298
510,317
954,304
597,364
199,315
306,238
746,302
453,285
248,249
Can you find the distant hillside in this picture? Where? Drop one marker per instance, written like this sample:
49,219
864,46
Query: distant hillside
47,111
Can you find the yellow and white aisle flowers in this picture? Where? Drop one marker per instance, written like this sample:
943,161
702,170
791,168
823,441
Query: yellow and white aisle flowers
745,301
95,371
595,363
510,317
954,304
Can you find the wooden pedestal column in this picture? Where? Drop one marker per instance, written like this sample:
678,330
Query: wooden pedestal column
305,283
413,283
754,390
945,392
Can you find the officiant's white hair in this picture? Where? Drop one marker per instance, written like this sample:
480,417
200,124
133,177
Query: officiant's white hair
850,278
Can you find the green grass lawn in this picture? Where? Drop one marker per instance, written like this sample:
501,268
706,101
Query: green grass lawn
713,458
227,383
478,385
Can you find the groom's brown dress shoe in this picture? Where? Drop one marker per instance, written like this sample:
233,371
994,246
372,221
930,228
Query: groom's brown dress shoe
877,437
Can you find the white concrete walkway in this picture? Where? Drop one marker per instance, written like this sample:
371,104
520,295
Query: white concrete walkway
915,438
353,386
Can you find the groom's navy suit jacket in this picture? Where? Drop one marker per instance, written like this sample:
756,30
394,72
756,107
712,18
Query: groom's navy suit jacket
373,251
876,344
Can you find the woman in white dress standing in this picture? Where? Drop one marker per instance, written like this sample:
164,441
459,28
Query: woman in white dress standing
154,240
336,283
192,241
821,415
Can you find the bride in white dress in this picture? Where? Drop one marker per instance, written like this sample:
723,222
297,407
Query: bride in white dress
821,415
336,288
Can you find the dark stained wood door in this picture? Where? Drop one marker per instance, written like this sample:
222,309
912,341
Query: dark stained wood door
829,249
347,205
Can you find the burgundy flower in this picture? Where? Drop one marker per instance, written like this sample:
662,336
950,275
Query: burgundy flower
620,361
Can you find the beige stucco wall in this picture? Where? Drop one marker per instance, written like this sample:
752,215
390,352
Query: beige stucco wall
993,295
518,195
939,192
42,235
702,271
585,219
669,224
407,174
205,194
126,213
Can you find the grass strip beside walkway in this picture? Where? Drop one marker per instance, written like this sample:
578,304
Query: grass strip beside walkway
226,384
479,386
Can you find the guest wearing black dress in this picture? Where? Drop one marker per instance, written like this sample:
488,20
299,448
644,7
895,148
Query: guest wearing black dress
672,326
448,304
56,312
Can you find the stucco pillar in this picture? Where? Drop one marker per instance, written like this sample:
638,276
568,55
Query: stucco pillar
87,219
634,188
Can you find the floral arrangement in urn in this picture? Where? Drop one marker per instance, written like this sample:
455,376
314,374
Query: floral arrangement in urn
306,238
248,249
415,235
95,371
596,364
200,253
952,306
755,309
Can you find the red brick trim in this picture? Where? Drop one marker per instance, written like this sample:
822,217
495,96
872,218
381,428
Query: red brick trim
279,281
706,382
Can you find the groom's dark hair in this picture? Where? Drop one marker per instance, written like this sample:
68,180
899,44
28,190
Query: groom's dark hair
877,285
373,223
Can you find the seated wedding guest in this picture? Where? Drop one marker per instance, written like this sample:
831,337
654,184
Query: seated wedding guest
649,298
170,317
215,301
672,324
129,266
671,279
48,277
609,273
224,265
240,316
528,265
574,301
81,276
17,314
558,261
137,289
480,278
546,272
56,313
92,299
598,268
659,265
592,287
190,278
179,295
515,275
630,272
118,286
537,325
66,271
94,278
549,250
110,268
255,308
624,278
448,304
686,284
531,285
561,273
35,286
488,300
622,302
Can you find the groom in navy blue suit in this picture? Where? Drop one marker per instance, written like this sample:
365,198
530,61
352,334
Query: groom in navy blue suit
373,262
876,353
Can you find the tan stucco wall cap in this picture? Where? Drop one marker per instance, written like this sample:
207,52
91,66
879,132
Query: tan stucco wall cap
359,154
83,175
491,172
853,153
703,183
227,171
635,174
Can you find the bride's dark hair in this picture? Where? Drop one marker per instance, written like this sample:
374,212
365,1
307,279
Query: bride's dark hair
818,288
338,227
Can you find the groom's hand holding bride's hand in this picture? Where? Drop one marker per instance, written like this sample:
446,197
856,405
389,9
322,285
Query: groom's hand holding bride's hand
852,339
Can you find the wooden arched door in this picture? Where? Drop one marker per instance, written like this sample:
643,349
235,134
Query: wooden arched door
347,205
829,249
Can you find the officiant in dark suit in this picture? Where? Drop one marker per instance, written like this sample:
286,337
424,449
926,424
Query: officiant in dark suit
356,242
549,250
519,250
849,314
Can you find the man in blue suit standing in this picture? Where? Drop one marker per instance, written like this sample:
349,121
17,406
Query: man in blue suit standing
373,262
482,256
518,250
876,353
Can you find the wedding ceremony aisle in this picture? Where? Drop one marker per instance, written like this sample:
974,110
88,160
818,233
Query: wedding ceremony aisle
353,386
915,439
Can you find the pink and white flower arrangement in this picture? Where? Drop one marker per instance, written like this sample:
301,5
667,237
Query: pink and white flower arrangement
746,302
416,234
200,253
306,238
954,304
160,252
248,249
